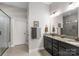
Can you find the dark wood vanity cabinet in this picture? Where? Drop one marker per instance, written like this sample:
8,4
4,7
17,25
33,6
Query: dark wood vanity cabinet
58,48
48,44
51,45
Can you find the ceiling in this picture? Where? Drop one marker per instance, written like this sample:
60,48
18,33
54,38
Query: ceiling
54,6
22,4
48,3
59,6
18,4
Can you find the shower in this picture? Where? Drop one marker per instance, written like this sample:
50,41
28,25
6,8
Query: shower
4,31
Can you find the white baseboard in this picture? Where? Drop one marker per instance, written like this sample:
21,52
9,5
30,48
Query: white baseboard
16,45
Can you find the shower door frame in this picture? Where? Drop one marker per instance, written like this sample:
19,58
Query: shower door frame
9,42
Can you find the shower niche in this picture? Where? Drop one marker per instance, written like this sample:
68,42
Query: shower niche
70,23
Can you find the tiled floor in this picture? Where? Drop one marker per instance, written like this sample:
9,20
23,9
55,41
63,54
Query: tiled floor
20,50
39,53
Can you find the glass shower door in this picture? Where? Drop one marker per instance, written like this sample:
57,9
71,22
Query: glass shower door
4,32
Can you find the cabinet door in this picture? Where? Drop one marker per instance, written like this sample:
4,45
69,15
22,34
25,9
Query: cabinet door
71,50
48,44
55,48
77,52
62,51
66,49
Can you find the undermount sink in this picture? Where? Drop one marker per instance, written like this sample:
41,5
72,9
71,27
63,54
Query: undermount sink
62,36
54,34
76,39
71,40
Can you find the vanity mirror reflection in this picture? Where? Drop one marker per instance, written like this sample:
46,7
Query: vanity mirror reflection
70,23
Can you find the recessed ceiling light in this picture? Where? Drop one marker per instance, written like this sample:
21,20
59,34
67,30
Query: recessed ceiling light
70,3
54,12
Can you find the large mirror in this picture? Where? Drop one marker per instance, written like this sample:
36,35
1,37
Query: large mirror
70,23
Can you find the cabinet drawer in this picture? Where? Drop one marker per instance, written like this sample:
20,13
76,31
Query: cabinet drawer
77,51
65,45
61,44
48,39
49,51
55,51
55,45
55,42
62,51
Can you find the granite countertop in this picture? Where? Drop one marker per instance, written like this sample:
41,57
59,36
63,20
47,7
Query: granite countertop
66,40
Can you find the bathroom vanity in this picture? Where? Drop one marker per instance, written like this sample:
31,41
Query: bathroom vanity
58,46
